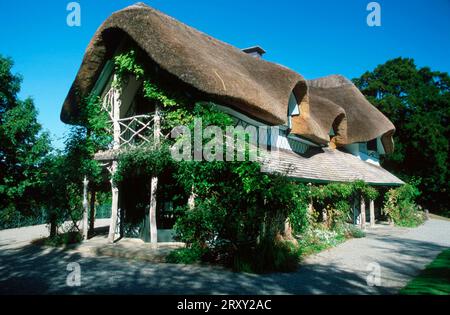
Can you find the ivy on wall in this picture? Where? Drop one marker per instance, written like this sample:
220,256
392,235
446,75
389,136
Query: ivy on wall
240,213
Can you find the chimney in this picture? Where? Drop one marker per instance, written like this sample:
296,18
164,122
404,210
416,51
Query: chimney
255,51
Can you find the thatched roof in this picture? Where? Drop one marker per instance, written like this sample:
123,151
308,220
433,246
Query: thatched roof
226,75
223,72
336,102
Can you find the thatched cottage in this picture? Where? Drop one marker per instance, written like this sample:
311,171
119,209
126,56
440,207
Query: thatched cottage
329,132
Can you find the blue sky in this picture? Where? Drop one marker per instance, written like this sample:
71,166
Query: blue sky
314,38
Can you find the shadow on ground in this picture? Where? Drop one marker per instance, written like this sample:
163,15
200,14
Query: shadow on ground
33,269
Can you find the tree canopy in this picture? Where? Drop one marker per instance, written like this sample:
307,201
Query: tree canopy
23,148
417,101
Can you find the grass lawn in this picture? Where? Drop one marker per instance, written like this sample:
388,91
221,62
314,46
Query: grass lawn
435,279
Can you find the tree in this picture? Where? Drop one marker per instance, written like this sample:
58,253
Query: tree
417,101
23,148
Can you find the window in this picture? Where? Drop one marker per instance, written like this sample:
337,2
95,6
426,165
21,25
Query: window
293,109
372,145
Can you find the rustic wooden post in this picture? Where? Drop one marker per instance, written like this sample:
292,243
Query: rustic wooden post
363,212
372,213
85,208
154,182
115,108
114,205
92,212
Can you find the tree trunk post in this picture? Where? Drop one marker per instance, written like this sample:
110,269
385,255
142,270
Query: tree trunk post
92,212
53,226
372,213
154,182
114,205
363,213
116,146
85,209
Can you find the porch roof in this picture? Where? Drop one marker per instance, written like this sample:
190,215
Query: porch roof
328,165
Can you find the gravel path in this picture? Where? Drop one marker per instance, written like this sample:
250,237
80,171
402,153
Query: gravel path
399,253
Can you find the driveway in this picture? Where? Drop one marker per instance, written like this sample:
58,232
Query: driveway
394,254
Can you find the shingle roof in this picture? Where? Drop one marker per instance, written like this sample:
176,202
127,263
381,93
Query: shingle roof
328,165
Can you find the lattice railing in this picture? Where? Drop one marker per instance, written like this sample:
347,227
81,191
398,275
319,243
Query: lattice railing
134,130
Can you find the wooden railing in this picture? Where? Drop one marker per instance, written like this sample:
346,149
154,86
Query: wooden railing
134,130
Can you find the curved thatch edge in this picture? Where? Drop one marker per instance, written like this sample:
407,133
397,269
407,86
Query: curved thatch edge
222,72
226,75
335,102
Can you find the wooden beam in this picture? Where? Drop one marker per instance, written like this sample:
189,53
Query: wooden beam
372,213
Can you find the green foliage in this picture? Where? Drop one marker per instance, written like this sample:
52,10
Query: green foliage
238,211
352,231
317,238
188,255
267,256
434,280
24,147
145,161
417,101
66,170
11,218
103,208
400,206
126,64
336,199
298,216
238,214
64,239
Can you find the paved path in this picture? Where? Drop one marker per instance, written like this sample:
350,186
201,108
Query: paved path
400,253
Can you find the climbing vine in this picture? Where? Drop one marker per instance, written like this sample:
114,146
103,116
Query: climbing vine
240,213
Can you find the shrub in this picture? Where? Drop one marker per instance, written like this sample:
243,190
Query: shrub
298,217
64,239
319,238
336,198
268,256
401,208
188,255
239,212
352,231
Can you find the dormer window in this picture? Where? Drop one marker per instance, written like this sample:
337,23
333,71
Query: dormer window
293,109
372,145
